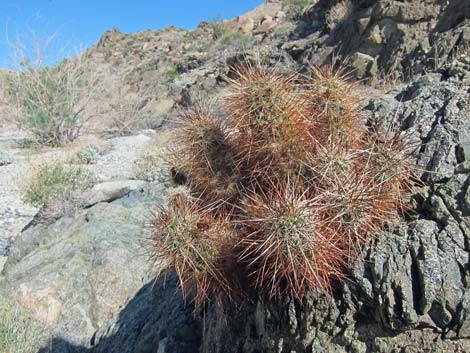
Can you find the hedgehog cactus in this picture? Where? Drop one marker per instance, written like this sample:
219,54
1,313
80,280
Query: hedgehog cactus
283,190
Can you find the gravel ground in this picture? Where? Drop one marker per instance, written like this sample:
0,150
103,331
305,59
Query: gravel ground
115,164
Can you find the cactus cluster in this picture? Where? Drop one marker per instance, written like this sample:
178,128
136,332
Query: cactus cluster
283,186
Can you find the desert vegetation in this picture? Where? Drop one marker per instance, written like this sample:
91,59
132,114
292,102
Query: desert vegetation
55,180
50,100
282,189
127,116
88,154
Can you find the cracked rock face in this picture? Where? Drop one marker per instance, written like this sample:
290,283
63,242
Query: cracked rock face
382,38
412,292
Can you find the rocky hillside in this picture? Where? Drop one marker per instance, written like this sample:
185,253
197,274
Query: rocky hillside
382,41
83,272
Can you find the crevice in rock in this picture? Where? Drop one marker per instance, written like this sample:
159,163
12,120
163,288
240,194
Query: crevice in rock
417,284
397,296
464,272
459,154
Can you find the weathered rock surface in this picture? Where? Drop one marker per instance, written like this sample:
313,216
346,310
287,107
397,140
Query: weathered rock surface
400,39
75,273
434,110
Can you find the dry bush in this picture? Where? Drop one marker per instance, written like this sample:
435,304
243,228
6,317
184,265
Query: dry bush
301,3
88,154
6,111
127,112
287,184
50,101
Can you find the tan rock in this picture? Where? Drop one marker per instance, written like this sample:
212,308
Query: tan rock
362,24
279,15
163,106
246,26
111,190
266,25
375,37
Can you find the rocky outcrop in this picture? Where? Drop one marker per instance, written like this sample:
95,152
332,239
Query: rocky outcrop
411,293
76,273
382,38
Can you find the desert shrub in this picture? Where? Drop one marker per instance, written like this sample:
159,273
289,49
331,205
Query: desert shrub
19,332
50,100
88,154
285,186
172,72
126,112
284,30
218,28
235,37
197,41
226,35
149,166
54,180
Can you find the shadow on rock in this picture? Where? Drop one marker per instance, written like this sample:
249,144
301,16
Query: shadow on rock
156,319
58,344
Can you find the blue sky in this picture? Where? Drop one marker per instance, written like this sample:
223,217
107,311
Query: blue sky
74,24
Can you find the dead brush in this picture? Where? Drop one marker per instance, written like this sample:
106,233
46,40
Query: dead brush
290,183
